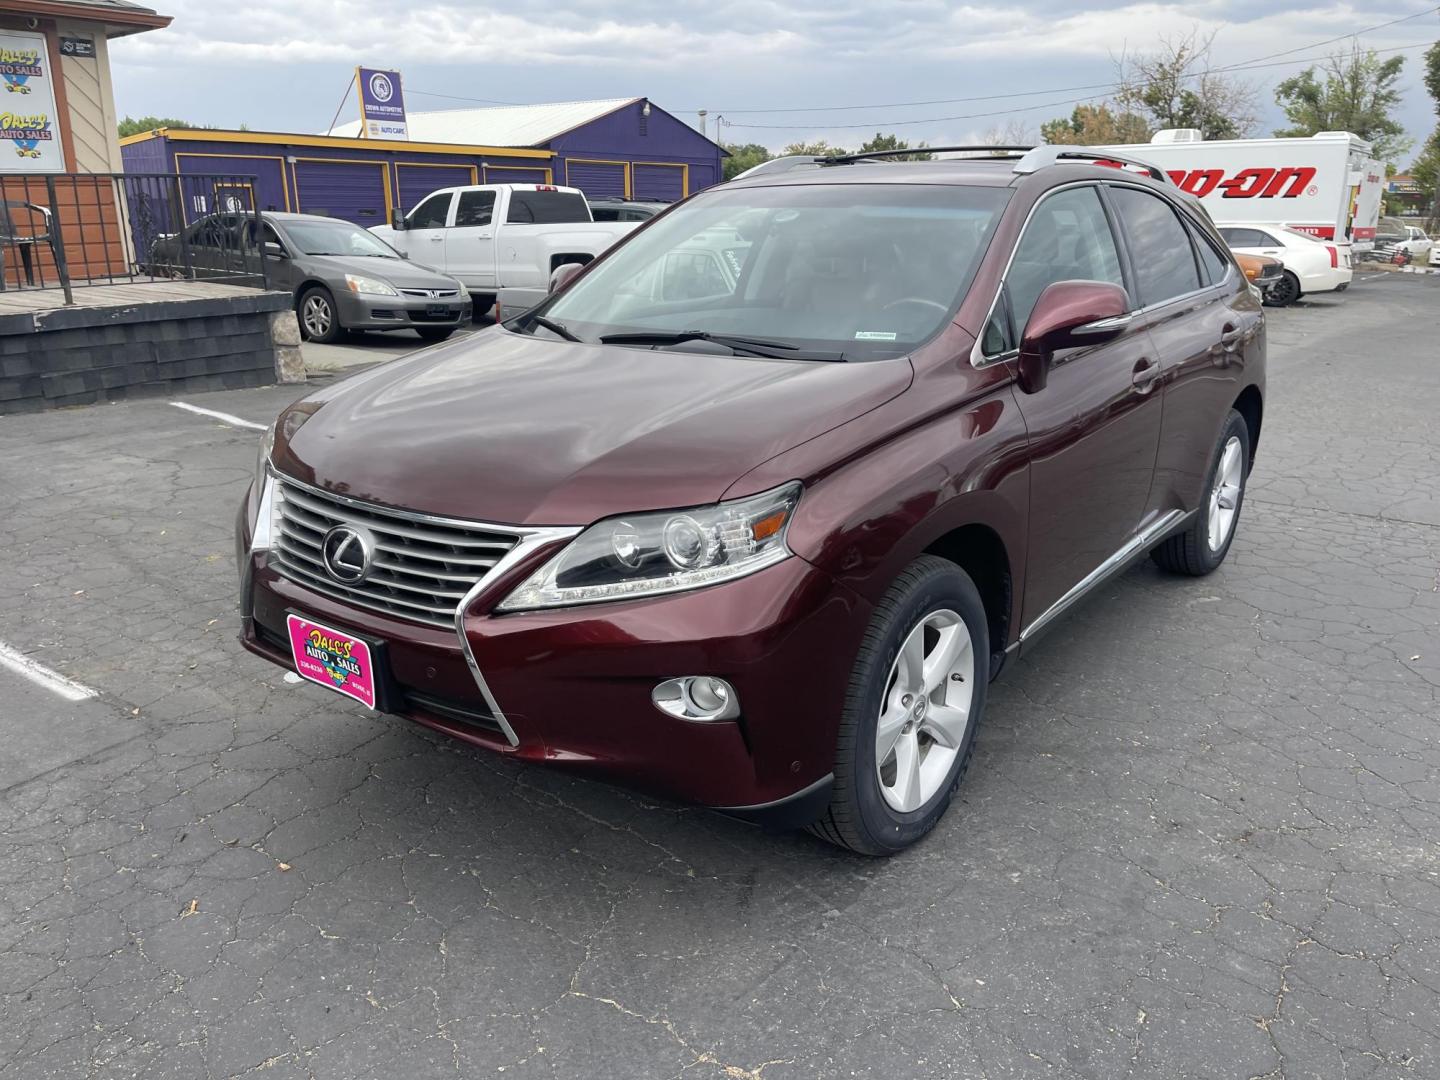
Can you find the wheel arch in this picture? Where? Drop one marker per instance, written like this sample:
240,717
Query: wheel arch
1251,406
306,285
980,551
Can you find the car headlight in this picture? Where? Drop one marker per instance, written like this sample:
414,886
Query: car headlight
368,286
648,554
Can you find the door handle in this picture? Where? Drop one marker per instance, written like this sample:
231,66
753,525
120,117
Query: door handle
1230,338
437,239
1145,373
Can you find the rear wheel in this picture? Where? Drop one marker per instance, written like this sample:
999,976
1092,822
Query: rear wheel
1205,542
915,696
318,319
1286,291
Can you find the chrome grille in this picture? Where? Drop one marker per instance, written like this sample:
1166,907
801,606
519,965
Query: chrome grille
431,294
421,568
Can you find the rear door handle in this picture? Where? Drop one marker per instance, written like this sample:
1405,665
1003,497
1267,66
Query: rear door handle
437,239
1145,373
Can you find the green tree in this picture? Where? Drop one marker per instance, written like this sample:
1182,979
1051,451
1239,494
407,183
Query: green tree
1096,125
1177,86
818,148
894,142
1355,92
743,157
134,126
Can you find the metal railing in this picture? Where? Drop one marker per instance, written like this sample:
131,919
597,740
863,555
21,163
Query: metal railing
60,230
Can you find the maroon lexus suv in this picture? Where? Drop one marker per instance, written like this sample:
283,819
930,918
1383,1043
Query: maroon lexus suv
750,512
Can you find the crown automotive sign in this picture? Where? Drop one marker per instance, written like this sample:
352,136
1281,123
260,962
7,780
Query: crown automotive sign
382,104
29,127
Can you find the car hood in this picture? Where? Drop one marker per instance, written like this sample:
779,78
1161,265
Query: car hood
402,273
511,429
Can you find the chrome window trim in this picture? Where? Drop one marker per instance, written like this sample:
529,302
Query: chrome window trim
979,359
529,539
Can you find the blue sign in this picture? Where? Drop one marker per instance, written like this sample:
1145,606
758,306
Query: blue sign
382,104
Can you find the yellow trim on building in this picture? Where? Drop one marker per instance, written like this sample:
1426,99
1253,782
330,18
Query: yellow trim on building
682,166
284,173
598,161
272,138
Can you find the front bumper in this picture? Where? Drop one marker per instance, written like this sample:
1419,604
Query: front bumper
575,684
401,312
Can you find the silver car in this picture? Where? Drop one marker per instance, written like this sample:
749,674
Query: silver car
343,277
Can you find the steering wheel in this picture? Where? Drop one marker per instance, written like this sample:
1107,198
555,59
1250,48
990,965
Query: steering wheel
917,300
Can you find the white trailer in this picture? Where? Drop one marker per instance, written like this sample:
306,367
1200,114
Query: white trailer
1327,185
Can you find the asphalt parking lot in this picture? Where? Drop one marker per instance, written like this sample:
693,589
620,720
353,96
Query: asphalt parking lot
1201,836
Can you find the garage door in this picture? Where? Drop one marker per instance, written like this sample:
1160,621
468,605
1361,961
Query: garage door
596,178
514,174
417,181
353,190
665,183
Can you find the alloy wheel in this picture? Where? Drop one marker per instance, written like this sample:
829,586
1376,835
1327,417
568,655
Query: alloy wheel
1225,493
316,316
925,711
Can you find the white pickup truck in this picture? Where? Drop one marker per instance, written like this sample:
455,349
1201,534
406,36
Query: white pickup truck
498,236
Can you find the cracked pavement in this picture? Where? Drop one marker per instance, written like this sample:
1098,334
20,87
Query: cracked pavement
1200,838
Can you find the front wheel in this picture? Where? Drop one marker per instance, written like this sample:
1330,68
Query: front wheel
318,320
1286,291
434,333
915,697
1205,542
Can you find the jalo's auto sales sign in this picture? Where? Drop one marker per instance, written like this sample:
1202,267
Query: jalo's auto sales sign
29,126
382,104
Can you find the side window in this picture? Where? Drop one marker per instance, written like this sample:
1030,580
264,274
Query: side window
476,208
1068,238
431,213
1244,238
604,213
1213,267
1159,246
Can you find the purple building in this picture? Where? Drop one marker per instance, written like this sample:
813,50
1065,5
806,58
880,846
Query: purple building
622,147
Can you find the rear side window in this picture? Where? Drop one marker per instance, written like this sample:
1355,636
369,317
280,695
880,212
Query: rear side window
1160,247
431,213
1244,238
1213,267
1068,238
547,208
475,208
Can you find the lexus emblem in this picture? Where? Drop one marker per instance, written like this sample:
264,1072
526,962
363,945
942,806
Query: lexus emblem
346,552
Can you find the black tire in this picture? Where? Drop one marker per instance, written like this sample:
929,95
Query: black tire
858,817
434,333
1285,292
1189,552
323,332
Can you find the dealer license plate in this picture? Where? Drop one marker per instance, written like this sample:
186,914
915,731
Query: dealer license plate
438,311
332,658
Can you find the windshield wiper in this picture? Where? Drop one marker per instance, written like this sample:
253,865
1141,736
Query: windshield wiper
554,327
757,346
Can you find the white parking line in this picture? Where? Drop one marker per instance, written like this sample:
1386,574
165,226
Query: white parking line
40,675
223,417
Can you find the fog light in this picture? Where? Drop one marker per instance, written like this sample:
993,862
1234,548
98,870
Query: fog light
697,697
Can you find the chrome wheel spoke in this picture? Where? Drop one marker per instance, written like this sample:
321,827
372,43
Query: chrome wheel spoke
949,649
887,732
907,786
910,674
946,724
1224,500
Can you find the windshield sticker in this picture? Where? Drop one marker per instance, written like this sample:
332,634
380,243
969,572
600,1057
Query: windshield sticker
873,335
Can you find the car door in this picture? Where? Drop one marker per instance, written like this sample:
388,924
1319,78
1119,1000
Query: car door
470,242
425,227
281,273
1204,323
1095,426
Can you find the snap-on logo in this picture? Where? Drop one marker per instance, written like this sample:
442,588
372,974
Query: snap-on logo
1261,183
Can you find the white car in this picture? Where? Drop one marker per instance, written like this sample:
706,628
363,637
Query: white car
1435,254
1407,238
1312,265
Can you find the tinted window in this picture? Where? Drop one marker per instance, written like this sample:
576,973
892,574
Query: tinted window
1068,238
431,213
1244,238
547,208
476,208
1212,267
1159,246
605,213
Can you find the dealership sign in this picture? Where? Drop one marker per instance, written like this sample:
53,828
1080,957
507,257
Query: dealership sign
382,104
29,128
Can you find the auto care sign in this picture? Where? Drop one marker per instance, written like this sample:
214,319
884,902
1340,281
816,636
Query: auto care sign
382,104
29,127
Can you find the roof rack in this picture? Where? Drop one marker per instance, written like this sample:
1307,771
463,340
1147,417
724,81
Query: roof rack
982,153
1041,156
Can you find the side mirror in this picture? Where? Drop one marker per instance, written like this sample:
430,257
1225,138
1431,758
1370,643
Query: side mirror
274,250
397,219
1068,314
563,274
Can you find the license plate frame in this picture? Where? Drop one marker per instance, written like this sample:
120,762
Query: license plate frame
439,311
338,660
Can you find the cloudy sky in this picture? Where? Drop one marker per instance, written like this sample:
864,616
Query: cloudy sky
284,64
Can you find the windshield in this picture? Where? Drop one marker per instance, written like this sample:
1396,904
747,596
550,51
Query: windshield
329,236
863,271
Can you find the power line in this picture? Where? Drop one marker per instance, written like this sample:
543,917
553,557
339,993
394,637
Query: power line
1043,105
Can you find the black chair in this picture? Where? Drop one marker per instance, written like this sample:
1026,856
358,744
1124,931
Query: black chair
23,242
